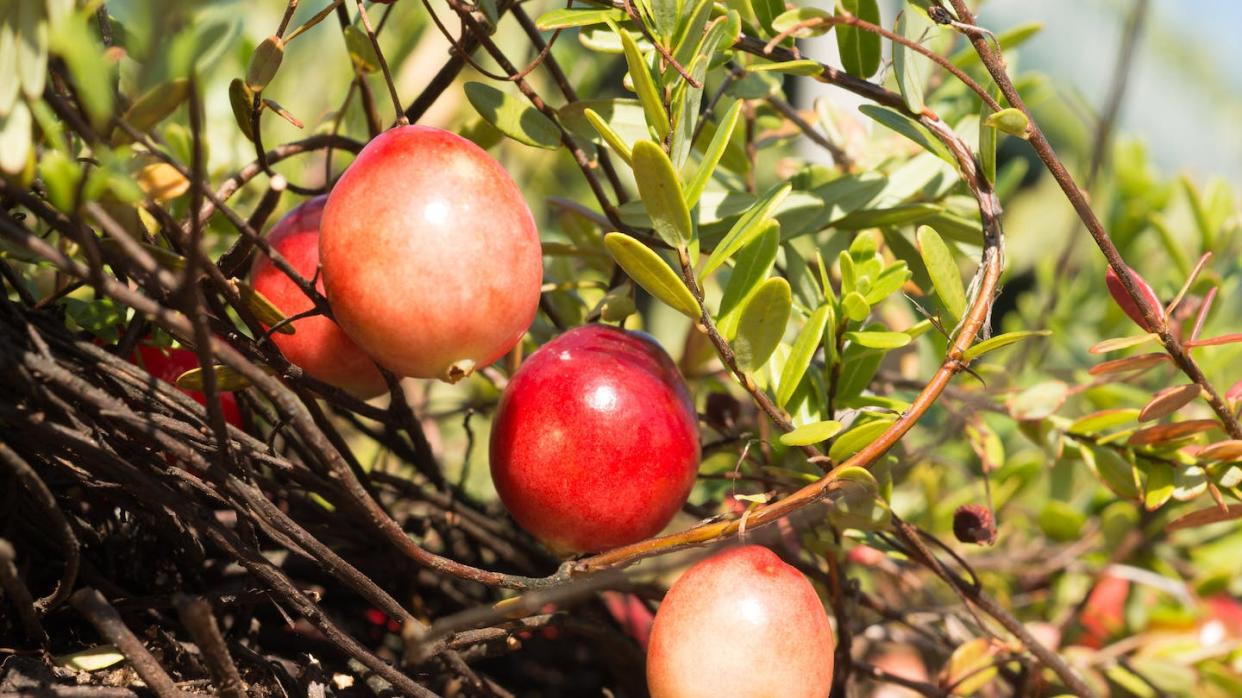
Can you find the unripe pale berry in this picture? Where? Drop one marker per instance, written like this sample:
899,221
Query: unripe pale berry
431,259
318,346
742,624
595,443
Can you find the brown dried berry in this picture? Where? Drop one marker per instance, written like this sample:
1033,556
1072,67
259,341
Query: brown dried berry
973,523
722,411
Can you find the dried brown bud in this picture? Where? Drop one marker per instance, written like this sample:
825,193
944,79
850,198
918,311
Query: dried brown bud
722,411
973,523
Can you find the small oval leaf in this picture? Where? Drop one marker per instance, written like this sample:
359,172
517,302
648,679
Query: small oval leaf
264,63
1171,432
857,439
942,268
879,340
1001,341
804,348
661,193
809,434
227,379
649,271
762,323
513,117
1119,343
1142,362
1168,401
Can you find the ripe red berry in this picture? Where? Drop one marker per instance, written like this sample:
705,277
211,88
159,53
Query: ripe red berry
318,346
743,624
431,259
595,443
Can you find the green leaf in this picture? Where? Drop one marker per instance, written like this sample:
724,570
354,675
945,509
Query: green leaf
888,282
987,143
1001,341
611,137
15,139
513,117
855,306
31,50
909,67
746,228
692,32
263,309
157,104
712,154
1117,473
74,41
860,50
799,15
649,271
879,340
1010,120
858,438
942,268
751,268
762,323
1060,521
661,193
804,348
809,434
1158,489
241,100
644,84
802,66
227,379
767,11
1012,38
910,129
564,18
361,50
264,63
1102,420
856,503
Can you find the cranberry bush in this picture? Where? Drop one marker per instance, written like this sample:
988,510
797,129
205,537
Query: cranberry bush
994,454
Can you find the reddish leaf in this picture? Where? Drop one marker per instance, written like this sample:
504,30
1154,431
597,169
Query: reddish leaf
1168,401
1223,450
1127,303
1216,341
1234,392
1130,363
1170,432
1204,517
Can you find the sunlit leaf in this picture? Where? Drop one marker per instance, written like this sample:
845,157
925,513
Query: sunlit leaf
1142,362
661,193
227,379
712,154
942,268
1102,420
1168,401
1171,432
649,271
513,116
909,67
644,84
1000,341
1203,517
857,439
563,18
762,323
1223,451
750,269
860,50
804,348
812,433
910,129
879,340
745,229
1119,343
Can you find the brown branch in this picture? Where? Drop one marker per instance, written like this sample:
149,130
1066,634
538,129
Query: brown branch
196,615
19,595
107,621
1153,316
